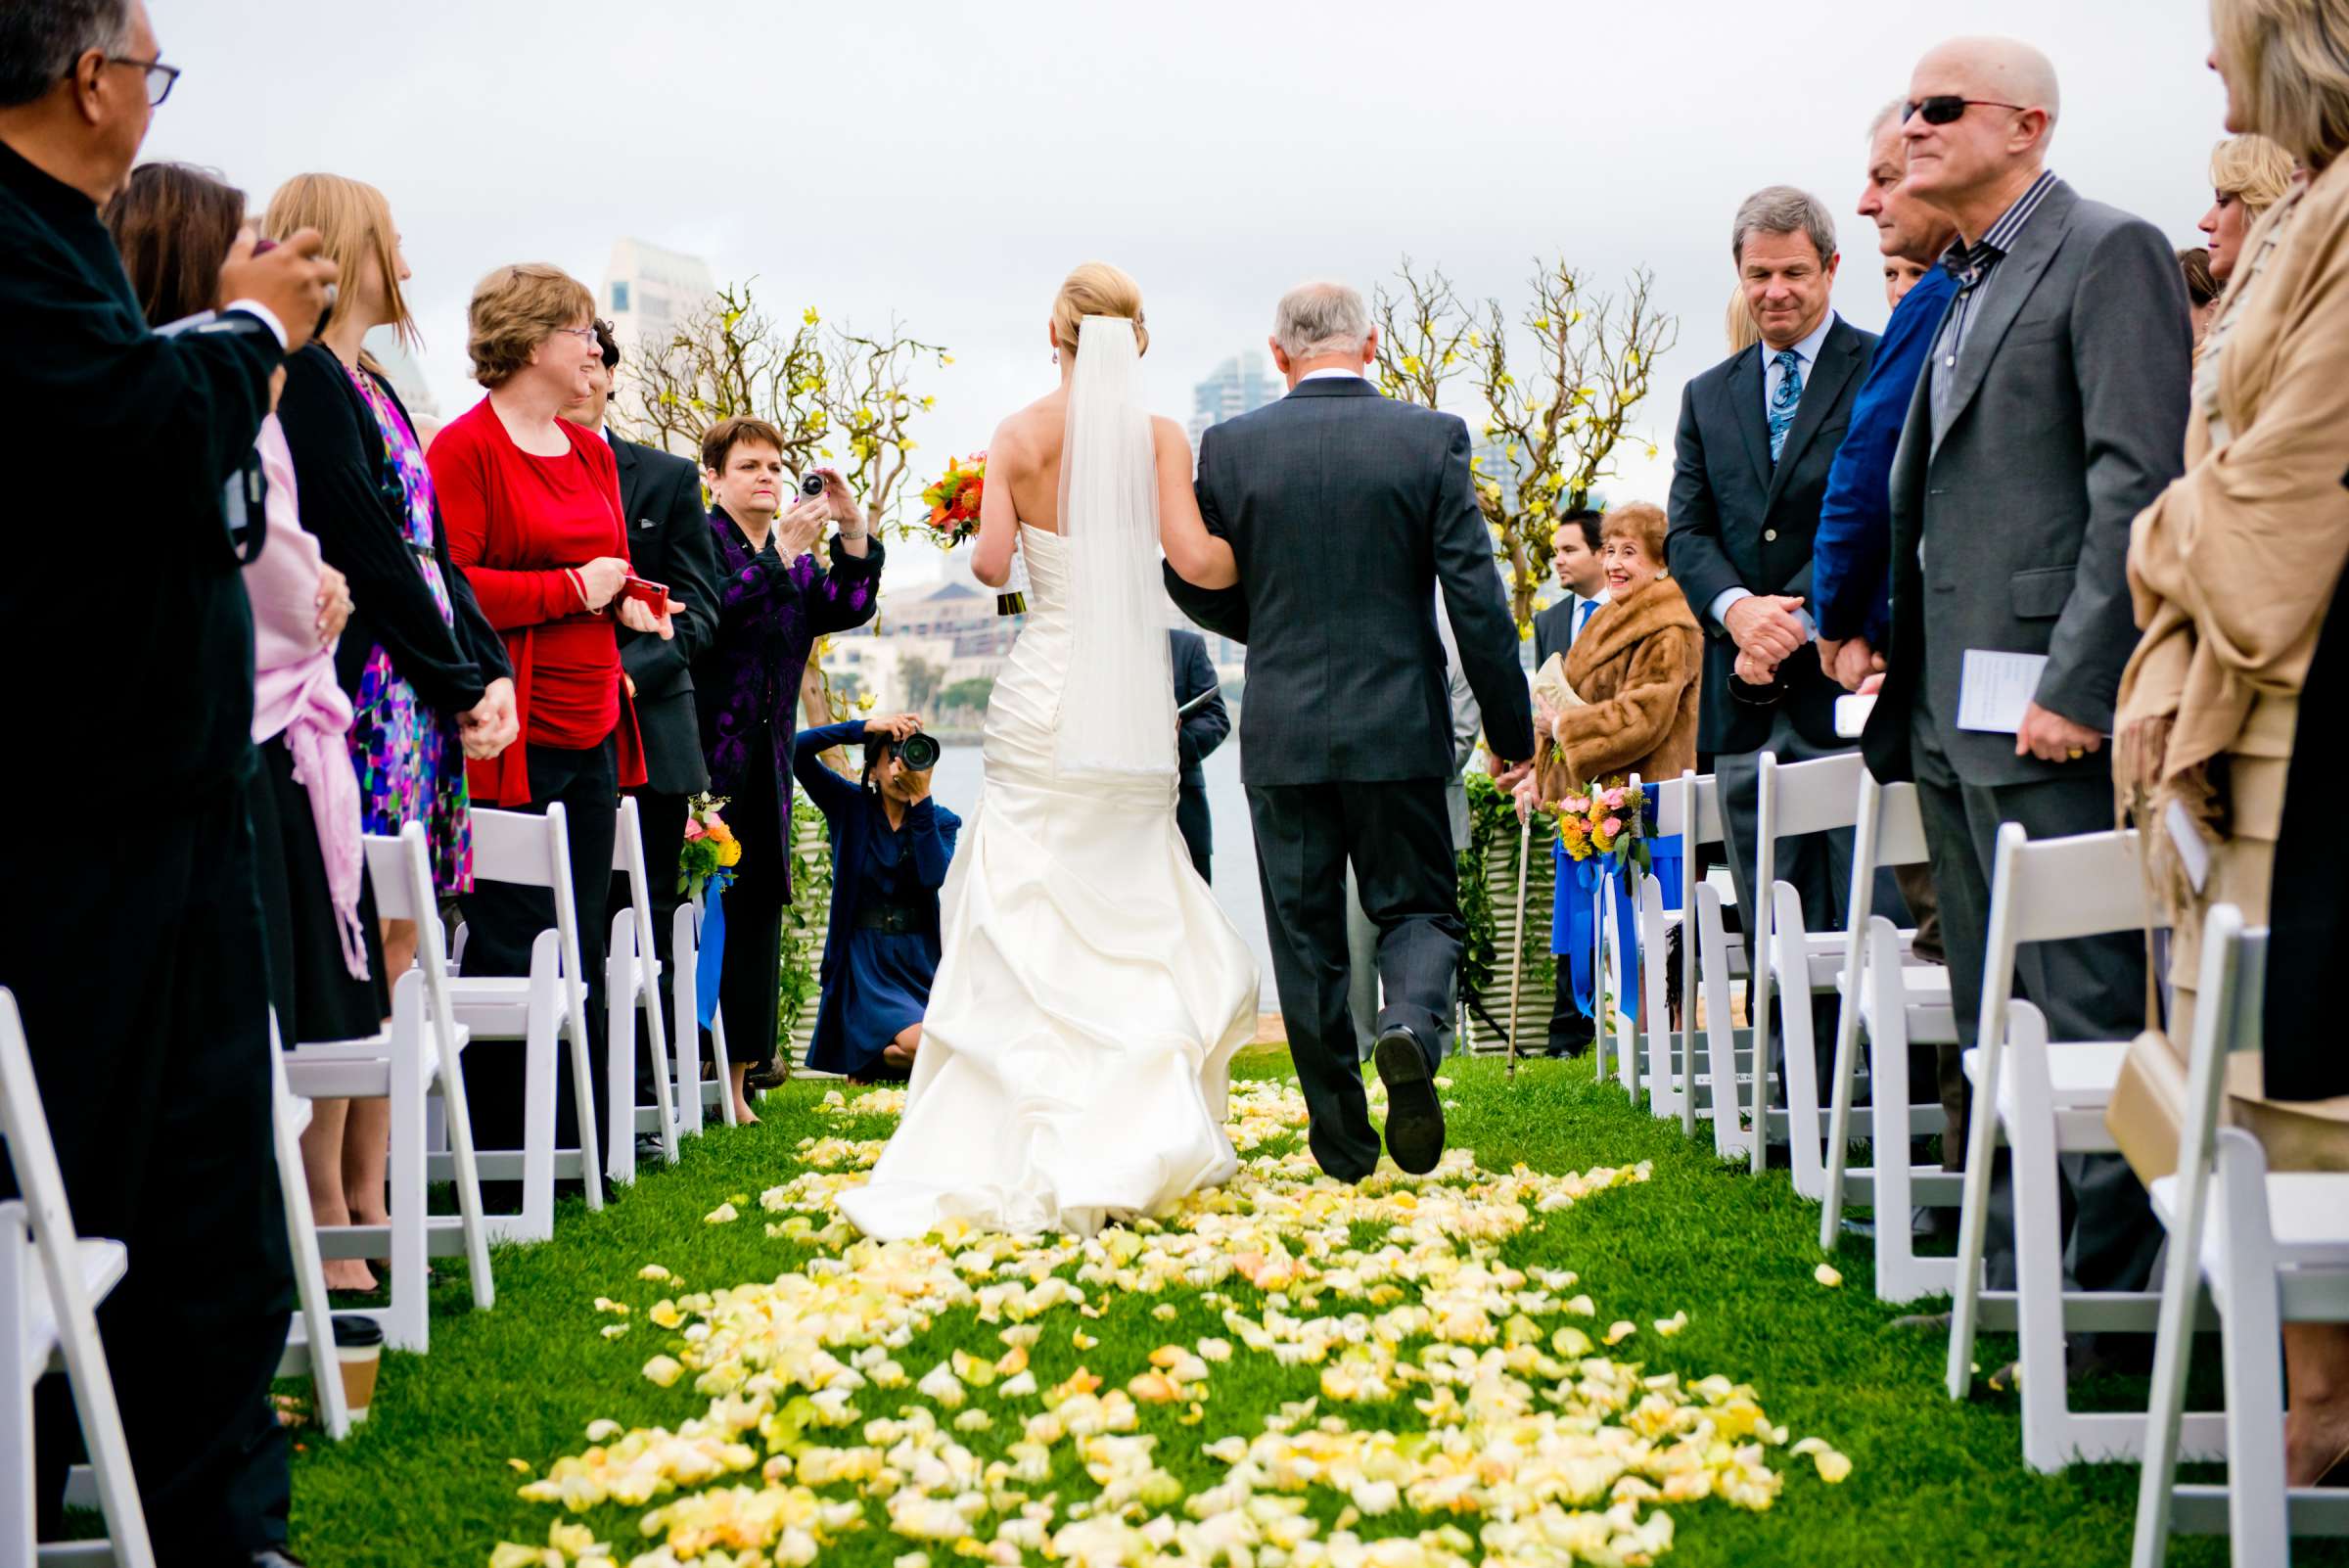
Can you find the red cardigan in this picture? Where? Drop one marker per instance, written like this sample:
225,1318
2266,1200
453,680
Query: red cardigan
515,524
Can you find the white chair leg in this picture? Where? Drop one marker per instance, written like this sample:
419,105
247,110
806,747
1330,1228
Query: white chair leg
2173,1355
684,1018
18,1548
725,1068
1792,961
310,1269
656,1051
456,1118
620,1052
1720,1028
2039,1261
407,1322
2257,1507
1973,1218
583,1094
1840,1110
543,1040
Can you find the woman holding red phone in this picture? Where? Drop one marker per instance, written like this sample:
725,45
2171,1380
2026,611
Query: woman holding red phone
532,503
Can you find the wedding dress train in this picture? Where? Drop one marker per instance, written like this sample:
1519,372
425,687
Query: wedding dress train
1075,1056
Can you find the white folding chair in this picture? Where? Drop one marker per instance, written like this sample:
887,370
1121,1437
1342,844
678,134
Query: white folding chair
417,1056
1711,961
633,980
1898,1001
2269,1248
2047,1098
50,1280
1614,1033
310,1345
545,1010
695,1094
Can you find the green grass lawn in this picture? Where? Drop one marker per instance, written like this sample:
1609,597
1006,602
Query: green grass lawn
433,1476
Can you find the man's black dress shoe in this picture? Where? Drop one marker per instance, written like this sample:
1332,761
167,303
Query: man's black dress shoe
1414,1115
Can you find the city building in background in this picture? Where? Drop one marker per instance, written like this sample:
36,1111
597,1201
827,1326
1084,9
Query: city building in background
1236,387
648,290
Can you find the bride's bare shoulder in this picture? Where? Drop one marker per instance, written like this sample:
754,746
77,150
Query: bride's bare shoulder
1030,435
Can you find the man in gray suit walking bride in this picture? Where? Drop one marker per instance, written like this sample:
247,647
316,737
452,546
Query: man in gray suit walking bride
1346,511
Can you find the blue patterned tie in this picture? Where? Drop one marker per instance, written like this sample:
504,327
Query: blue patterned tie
1783,401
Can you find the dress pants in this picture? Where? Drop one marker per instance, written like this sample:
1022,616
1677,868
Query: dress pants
1197,826
142,975
1397,837
1361,986
2092,987
504,921
753,962
661,819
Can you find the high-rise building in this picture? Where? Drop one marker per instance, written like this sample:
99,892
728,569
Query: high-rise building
1234,388
648,291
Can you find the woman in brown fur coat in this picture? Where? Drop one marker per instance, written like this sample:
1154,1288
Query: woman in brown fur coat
1635,669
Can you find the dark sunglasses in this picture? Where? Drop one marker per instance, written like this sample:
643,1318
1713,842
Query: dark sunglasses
1947,107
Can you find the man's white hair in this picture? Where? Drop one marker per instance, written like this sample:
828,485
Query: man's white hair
1321,318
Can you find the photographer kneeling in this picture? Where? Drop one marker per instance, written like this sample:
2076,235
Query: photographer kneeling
890,844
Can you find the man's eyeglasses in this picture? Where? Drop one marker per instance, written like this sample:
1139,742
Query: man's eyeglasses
1948,109
160,77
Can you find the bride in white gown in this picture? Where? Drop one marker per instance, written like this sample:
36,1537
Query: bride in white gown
1075,1056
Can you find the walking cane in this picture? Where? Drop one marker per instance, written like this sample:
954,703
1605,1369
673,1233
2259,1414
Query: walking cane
1525,847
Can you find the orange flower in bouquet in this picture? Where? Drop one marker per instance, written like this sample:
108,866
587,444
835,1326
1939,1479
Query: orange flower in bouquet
954,501
1608,820
711,848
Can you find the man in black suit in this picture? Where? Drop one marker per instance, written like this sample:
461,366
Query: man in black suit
136,953
1203,731
1758,433
1583,585
668,542
1346,510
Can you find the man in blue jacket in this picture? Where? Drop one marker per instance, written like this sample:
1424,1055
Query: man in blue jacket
1851,577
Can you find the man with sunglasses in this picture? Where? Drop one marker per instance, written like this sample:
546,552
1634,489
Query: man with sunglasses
135,953
2051,410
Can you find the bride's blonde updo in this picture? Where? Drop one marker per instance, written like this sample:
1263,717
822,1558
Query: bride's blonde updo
1097,288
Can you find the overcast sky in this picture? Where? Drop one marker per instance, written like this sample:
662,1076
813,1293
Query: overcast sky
950,162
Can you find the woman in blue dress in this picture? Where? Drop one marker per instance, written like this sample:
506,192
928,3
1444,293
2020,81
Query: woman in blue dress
891,845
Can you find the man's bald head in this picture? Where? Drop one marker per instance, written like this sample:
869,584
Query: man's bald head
1981,111
2005,70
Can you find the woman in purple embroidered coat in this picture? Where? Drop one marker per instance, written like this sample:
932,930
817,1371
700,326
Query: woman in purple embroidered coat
774,600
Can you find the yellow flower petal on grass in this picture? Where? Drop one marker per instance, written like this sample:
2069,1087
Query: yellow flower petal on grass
1619,1331
1669,1326
664,1371
724,1214
1827,1275
1832,1467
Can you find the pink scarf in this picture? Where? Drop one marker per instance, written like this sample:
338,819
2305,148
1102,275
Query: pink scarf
294,692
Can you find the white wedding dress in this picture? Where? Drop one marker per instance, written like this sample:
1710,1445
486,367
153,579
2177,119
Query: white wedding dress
1075,1056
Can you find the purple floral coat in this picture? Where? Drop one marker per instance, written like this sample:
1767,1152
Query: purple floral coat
769,614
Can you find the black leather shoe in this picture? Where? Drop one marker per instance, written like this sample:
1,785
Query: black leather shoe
1415,1114
277,1557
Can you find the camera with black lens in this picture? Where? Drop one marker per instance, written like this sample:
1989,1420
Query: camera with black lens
918,752
811,485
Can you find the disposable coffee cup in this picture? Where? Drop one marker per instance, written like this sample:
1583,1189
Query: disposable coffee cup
359,1351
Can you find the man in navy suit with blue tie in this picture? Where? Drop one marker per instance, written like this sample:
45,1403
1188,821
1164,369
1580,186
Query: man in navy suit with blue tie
1573,558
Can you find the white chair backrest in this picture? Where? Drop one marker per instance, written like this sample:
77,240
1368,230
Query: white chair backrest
1816,796
1900,836
401,870
1690,806
2231,991
520,848
2057,889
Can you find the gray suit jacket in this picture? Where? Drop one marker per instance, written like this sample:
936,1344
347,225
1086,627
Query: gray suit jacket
1347,510
2068,419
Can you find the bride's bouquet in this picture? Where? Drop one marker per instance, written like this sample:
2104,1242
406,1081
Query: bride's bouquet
709,849
953,503
1608,822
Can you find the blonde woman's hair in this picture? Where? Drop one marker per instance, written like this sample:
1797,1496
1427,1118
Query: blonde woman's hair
2252,169
357,222
514,311
1743,330
1643,523
2289,60
1097,288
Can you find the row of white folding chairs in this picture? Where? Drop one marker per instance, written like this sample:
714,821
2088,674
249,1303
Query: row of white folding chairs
51,1281
2261,1249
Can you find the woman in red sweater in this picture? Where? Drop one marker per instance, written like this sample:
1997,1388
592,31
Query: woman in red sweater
532,505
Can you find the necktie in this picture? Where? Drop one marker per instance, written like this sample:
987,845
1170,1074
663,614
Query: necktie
1582,616
1783,401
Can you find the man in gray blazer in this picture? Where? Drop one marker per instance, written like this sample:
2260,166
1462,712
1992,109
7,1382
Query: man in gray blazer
1346,511
2053,408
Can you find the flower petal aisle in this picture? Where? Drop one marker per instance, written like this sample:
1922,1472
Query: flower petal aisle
1412,1396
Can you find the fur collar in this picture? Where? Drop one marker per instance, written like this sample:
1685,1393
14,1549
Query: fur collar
1620,624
